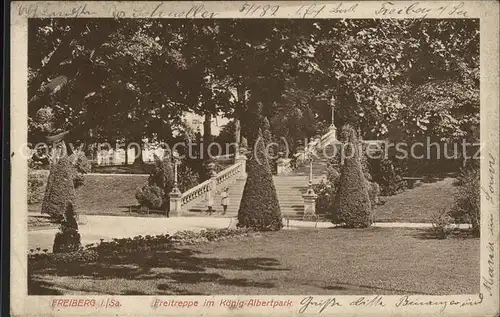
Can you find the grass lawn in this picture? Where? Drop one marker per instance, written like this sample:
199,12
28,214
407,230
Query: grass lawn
417,204
105,195
112,195
288,262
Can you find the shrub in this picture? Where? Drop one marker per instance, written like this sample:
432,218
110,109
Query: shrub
352,202
68,239
466,207
209,235
442,226
389,181
36,186
187,177
259,208
162,176
48,260
326,191
60,189
150,197
82,166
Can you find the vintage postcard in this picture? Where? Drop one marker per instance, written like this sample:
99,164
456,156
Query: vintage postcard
254,158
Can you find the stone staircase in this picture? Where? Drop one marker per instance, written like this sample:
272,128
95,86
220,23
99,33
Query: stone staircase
289,188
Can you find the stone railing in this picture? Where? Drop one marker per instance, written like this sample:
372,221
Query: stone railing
229,175
208,189
196,192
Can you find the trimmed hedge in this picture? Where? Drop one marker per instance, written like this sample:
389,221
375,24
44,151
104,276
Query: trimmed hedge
352,202
68,239
259,208
60,189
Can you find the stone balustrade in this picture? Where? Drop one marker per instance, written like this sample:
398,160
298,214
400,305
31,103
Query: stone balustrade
209,188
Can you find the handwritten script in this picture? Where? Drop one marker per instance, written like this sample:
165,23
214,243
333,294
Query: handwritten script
422,10
35,10
488,281
309,304
406,301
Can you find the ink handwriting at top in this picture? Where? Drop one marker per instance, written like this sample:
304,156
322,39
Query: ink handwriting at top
34,10
311,305
422,9
256,10
160,11
312,11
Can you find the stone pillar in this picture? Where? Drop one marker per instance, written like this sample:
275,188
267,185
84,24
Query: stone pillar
309,205
175,203
213,185
175,195
242,159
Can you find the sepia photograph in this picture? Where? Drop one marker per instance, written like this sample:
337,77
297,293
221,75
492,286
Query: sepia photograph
238,156
175,154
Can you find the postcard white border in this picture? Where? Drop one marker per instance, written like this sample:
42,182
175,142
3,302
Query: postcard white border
486,11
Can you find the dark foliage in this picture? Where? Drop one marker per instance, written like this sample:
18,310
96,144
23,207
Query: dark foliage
162,176
60,189
467,208
36,186
352,202
259,207
386,175
68,239
150,197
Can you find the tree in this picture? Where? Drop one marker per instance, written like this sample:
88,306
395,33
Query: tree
259,208
352,201
68,239
60,190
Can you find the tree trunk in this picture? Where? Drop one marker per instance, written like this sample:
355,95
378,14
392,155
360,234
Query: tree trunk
240,91
126,152
139,160
207,135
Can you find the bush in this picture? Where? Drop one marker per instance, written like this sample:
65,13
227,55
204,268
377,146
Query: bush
68,239
466,207
326,191
209,235
352,202
36,186
187,177
82,166
259,208
388,179
162,176
60,189
442,226
48,260
150,197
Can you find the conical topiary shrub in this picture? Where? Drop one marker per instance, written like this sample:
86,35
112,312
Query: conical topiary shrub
259,208
60,189
352,202
68,239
